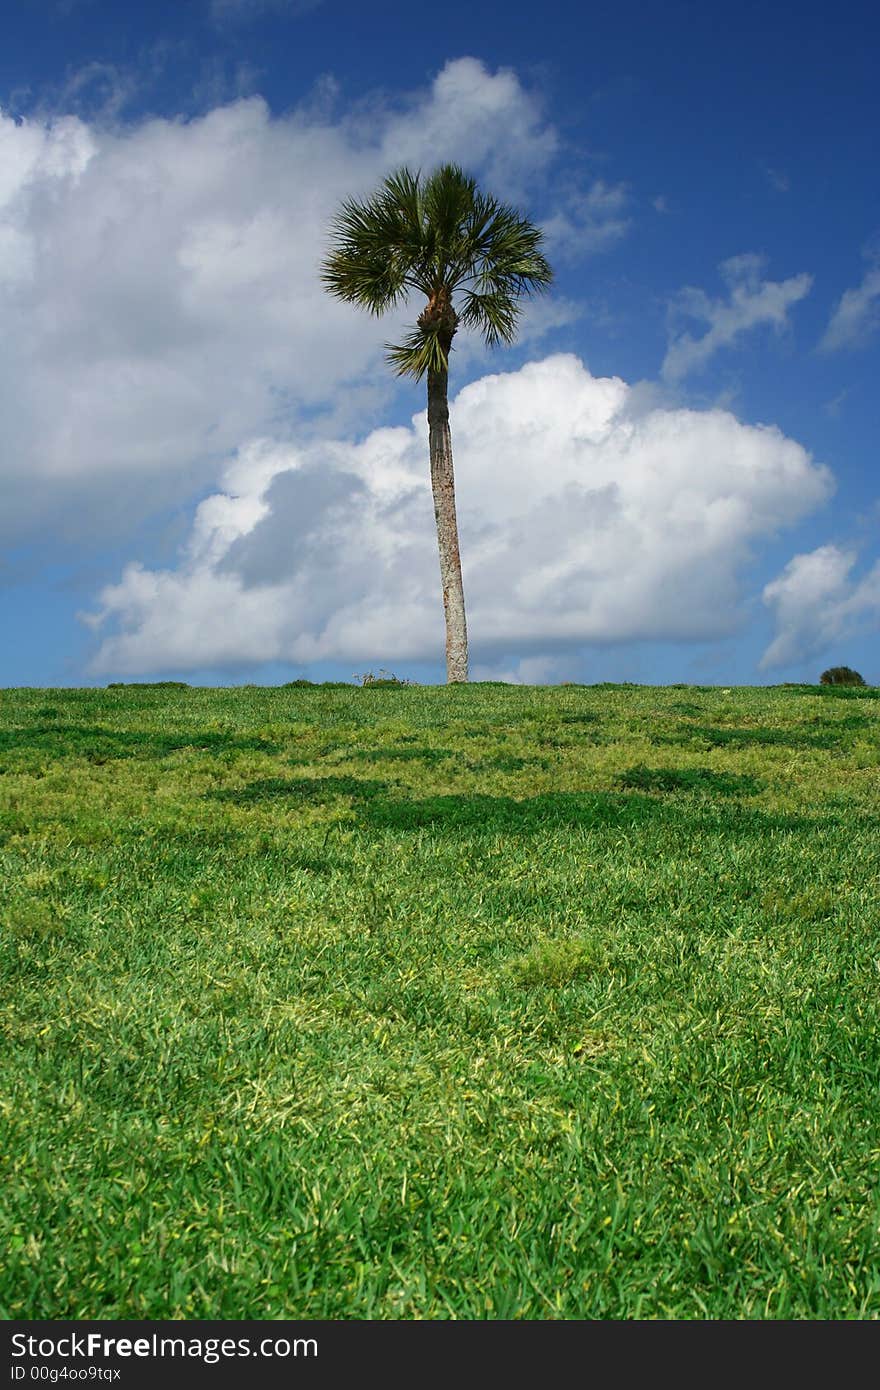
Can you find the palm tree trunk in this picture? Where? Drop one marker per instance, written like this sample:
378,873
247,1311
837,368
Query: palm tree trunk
443,489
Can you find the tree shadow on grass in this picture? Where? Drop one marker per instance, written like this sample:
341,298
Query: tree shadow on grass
302,790
100,745
430,756
492,815
828,737
690,779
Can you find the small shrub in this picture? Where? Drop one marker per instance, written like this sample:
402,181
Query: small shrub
841,675
297,684
555,964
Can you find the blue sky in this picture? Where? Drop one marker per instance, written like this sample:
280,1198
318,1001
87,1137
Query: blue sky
209,473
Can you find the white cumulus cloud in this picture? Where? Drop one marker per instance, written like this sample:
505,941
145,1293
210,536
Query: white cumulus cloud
583,518
751,302
818,604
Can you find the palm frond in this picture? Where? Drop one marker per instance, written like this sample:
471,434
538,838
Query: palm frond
494,315
419,353
438,236
377,245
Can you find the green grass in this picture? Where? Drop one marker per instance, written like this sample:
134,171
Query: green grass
475,1002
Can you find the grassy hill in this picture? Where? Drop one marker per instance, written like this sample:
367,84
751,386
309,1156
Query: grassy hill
476,1002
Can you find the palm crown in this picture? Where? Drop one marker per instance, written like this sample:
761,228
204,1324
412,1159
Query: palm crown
441,237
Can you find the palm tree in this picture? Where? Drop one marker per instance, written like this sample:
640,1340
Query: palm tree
440,237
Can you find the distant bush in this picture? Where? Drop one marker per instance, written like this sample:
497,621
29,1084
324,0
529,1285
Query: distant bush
148,685
302,684
613,685
383,678
841,675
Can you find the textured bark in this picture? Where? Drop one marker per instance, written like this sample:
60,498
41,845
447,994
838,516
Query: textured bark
443,488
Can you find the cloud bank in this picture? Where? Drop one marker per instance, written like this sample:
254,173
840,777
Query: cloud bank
160,293
582,518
